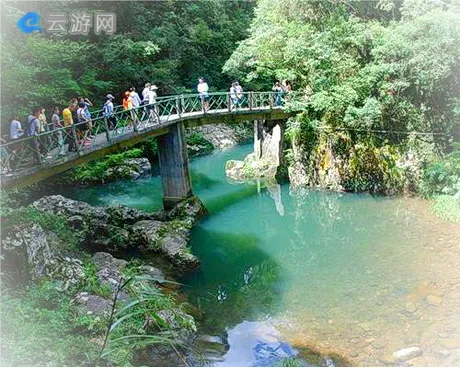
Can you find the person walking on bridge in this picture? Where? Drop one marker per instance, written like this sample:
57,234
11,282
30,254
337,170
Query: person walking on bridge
204,95
154,112
128,106
33,130
68,123
59,134
108,112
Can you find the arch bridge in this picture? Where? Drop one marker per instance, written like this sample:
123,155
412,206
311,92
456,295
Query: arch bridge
166,120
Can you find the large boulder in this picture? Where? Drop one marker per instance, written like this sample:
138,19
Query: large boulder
109,269
130,168
118,229
32,252
26,248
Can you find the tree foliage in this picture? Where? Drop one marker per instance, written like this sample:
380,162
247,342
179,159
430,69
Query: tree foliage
391,65
169,43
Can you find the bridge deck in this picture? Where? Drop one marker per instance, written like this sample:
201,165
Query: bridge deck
27,171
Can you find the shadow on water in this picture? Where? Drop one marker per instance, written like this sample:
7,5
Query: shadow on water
218,204
237,281
200,180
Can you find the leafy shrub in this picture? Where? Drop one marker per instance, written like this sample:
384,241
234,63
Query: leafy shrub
95,171
443,177
198,145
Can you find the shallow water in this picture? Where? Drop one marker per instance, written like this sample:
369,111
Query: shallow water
353,274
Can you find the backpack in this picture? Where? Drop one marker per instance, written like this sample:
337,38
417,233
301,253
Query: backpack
28,124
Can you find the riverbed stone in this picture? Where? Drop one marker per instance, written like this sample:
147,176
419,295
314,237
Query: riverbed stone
93,304
407,353
27,248
411,307
434,300
379,344
451,342
153,272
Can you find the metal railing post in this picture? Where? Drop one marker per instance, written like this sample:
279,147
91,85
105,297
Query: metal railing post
178,108
229,102
107,131
270,100
182,103
74,136
135,126
250,100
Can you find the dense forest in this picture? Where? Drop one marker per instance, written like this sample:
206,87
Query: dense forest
168,43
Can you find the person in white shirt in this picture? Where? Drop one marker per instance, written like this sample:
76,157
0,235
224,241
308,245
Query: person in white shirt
15,128
202,89
154,113
145,93
233,95
135,99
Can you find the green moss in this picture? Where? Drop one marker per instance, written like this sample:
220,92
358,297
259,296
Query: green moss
200,143
51,222
92,284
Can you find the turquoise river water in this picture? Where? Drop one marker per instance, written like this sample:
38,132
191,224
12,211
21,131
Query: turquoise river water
352,274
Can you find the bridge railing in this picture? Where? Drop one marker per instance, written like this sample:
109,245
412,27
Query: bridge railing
28,154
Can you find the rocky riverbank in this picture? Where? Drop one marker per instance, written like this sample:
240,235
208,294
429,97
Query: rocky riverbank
110,264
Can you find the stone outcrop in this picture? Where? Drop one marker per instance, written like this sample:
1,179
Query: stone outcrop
118,229
34,253
224,136
266,159
132,168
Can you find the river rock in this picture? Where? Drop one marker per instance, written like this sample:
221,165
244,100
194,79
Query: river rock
93,304
178,321
153,272
108,269
411,307
450,343
174,246
147,233
27,248
379,344
224,136
407,353
113,215
434,300
132,168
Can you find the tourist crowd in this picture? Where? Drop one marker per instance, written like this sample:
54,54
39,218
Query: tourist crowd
75,128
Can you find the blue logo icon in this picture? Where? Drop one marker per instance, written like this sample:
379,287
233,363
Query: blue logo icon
29,23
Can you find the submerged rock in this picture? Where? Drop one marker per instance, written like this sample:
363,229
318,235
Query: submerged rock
407,353
434,300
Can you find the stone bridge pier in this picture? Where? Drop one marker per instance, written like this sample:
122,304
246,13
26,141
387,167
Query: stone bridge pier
174,170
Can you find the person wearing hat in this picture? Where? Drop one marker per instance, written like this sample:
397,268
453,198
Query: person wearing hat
108,112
